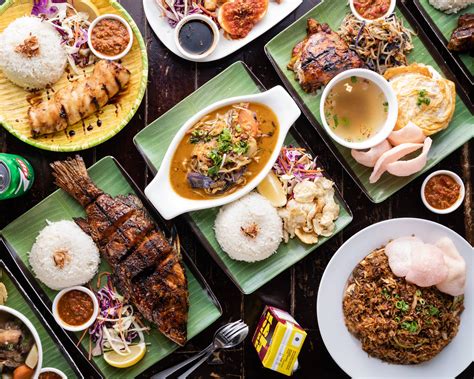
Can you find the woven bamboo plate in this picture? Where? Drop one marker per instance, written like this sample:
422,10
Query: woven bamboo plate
15,101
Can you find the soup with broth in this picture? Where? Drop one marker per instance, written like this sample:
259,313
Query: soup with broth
356,109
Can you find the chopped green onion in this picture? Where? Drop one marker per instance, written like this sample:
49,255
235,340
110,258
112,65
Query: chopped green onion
402,305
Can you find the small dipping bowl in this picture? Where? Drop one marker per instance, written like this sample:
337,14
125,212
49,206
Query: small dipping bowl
75,328
196,30
392,113
101,55
54,371
354,11
457,203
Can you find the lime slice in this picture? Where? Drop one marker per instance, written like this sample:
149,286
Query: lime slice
272,189
137,352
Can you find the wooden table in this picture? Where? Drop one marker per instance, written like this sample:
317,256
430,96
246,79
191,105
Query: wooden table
170,80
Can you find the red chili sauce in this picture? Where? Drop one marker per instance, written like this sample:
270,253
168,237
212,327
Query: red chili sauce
75,308
372,9
442,191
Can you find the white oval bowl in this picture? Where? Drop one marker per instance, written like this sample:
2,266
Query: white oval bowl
33,331
346,349
160,191
187,54
456,205
55,370
77,328
103,56
392,115
391,9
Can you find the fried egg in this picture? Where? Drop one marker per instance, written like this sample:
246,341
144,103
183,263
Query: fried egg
424,97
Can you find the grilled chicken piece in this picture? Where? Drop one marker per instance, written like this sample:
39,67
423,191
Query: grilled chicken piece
80,99
462,39
321,56
147,270
238,17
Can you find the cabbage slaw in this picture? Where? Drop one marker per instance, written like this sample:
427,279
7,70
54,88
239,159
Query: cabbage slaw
73,27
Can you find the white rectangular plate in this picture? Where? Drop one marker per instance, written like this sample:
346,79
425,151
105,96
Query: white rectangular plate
159,24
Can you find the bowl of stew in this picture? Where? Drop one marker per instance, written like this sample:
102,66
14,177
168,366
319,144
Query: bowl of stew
442,192
75,308
371,10
358,109
223,152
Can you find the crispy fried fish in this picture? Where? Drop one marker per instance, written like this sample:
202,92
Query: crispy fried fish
147,270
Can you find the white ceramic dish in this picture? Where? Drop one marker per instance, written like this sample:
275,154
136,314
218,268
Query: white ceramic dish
392,115
113,17
346,349
54,370
34,333
78,328
390,10
160,192
458,202
276,13
187,54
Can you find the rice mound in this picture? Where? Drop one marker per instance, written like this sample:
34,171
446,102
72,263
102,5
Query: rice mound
64,256
450,6
38,71
249,229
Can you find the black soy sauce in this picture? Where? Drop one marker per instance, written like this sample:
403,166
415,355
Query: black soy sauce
196,37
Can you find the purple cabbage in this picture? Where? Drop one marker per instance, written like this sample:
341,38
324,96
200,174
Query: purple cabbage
197,180
43,7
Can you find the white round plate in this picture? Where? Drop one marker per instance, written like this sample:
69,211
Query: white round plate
346,349
276,13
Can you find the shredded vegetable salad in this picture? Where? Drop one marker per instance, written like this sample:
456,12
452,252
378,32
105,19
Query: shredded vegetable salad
176,10
72,26
295,165
116,327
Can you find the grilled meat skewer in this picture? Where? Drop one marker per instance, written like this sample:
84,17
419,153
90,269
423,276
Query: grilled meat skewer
79,100
147,270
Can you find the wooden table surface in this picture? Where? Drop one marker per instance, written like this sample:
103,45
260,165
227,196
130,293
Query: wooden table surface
170,80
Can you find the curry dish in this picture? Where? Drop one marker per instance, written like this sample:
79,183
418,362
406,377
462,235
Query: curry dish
224,151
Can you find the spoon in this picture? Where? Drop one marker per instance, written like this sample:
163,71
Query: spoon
227,336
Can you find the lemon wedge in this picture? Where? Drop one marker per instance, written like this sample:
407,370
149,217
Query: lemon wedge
272,189
137,352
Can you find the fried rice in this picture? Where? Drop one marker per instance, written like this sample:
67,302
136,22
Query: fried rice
396,321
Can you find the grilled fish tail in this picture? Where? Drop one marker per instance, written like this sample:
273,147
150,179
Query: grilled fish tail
71,175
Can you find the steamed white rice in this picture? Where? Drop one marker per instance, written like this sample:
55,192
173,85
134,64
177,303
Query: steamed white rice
64,256
39,71
249,229
450,6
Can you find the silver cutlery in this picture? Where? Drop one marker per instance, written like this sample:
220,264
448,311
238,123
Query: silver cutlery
226,336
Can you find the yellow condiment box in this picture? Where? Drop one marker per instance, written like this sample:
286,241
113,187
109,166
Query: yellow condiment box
278,340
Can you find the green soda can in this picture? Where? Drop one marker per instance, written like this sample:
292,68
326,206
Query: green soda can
16,176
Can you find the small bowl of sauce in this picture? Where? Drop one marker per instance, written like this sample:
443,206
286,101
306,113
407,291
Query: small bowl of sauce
196,37
110,37
371,10
75,308
442,192
51,373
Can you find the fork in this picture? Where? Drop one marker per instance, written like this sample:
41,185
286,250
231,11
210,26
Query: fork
227,336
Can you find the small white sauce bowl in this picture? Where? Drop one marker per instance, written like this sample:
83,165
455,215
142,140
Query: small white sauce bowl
456,205
65,325
391,9
33,332
54,370
160,191
113,17
390,96
214,28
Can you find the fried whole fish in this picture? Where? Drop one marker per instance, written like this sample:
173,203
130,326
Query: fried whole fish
80,99
147,270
